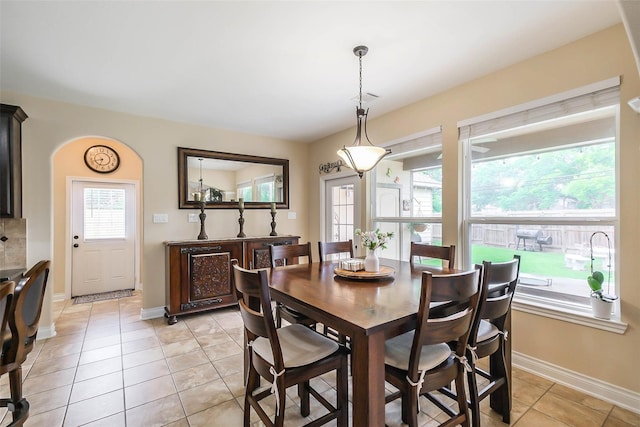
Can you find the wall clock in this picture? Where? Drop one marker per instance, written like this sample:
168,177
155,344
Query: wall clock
101,159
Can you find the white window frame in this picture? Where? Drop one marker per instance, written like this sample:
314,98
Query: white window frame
430,138
528,303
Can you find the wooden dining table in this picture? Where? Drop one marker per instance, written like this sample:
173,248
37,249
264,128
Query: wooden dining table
368,311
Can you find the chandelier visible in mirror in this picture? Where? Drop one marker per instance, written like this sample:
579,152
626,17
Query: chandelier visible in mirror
362,157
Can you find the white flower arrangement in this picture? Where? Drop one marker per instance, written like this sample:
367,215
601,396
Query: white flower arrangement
373,240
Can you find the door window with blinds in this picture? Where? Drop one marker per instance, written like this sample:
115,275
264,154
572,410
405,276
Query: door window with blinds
406,189
541,182
104,213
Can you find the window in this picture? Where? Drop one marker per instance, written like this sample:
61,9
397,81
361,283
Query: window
541,183
265,189
406,190
244,190
104,213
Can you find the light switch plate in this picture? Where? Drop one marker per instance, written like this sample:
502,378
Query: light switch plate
160,218
291,215
193,218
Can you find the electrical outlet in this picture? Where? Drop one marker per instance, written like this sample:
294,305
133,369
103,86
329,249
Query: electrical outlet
291,215
193,218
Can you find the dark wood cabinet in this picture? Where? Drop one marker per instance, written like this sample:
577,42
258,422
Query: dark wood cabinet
198,272
11,118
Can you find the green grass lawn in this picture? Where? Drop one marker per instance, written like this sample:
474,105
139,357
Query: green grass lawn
548,264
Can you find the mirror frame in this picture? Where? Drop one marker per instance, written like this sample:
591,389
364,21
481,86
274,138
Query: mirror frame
184,153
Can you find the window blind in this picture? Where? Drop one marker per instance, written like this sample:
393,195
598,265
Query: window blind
603,97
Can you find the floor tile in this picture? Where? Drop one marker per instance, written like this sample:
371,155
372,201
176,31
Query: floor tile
148,391
96,369
188,360
96,386
227,414
100,354
568,411
159,412
195,376
145,372
204,396
116,420
94,409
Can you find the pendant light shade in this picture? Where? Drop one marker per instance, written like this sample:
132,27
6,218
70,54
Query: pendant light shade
362,156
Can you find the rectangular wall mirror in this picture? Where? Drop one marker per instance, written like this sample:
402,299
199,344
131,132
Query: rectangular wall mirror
221,179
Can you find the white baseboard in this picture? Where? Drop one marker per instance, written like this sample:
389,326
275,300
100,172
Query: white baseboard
151,313
59,297
619,396
45,332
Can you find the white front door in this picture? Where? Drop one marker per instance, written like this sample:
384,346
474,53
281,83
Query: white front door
342,208
103,240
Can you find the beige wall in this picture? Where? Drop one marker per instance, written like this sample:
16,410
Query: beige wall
68,161
53,124
603,355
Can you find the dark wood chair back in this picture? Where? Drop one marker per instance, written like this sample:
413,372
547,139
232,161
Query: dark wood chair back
498,287
423,250
27,307
330,248
461,293
6,297
289,254
254,300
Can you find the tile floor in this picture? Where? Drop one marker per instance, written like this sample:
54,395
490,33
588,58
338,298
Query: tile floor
108,368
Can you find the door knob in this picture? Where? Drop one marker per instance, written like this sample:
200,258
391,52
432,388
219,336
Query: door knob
75,245
75,237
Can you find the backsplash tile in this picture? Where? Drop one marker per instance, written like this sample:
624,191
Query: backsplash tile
13,251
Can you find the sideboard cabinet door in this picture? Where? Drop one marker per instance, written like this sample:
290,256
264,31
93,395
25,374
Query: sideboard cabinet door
200,277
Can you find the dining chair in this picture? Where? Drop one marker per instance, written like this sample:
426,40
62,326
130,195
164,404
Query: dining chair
18,341
17,405
488,335
423,250
432,356
335,248
287,356
287,255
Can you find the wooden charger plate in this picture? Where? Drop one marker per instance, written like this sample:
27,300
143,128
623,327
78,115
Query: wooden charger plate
383,273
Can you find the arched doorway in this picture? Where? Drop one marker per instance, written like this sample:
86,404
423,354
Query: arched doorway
69,169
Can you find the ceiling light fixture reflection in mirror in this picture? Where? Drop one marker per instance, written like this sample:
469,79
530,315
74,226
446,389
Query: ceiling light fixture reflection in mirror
228,177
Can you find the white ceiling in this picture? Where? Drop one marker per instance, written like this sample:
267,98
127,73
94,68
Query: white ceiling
275,68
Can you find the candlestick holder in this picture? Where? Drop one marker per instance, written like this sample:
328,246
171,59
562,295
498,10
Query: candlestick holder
241,222
203,216
273,224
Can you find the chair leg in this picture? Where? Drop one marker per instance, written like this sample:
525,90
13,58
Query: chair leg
342,380
253,382
19,404
303,393
462,399
473,397
505,389
410,407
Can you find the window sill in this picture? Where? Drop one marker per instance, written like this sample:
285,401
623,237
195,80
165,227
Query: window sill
575,315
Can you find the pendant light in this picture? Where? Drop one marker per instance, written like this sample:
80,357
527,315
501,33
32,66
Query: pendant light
362,157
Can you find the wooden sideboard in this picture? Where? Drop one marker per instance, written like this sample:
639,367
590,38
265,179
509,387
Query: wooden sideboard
198,272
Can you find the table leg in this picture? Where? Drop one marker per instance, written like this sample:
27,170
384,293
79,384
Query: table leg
368,379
